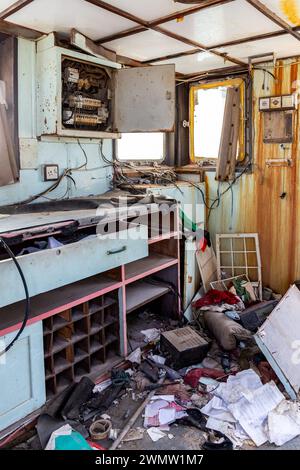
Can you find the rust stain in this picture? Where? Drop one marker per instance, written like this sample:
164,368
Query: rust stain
258,205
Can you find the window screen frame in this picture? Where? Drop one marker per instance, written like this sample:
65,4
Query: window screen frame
232,82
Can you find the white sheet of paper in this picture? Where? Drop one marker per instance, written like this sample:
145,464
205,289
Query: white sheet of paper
252,414
155,434
167,416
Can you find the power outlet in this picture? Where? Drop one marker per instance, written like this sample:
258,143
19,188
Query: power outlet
51,172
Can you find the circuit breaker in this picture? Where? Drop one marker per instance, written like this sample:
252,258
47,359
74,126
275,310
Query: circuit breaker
79,95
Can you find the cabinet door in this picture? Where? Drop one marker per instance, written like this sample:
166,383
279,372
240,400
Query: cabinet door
145,99
22,375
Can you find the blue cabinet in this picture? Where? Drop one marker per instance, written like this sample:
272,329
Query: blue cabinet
22,375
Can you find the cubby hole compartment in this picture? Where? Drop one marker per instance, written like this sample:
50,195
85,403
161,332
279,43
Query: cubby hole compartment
80,311
100,303
110,334
97,360
61,319
49,368
48,326
61,339
96,342
96,321
64,379
81,350
111,315
80,329
82,368
50,386
48,344
63,359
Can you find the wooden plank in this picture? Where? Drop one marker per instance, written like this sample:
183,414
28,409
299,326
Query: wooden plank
16,6
146,266
207,263
273,17
229,137
16,30
141,293
55,301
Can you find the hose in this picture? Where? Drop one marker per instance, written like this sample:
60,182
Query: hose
27,307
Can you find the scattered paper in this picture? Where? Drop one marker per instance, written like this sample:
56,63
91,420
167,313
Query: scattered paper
167,416
135,356
242,405
251,412
157,359
284,423
155,434
162,410
151,335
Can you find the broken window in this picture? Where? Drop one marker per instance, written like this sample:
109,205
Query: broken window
9,172
217,118
141,146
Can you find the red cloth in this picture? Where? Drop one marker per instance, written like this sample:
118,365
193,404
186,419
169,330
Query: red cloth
193,376
214,297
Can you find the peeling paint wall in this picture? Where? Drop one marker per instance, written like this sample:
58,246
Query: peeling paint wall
255,204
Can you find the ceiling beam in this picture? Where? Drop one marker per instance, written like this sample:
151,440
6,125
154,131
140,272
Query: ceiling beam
235,42
17,30
273,17
85,44
164,19
14,8
204,5
147,25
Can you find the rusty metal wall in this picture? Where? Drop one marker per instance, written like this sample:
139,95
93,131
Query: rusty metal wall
257,202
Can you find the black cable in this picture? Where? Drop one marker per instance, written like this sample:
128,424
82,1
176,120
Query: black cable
27,308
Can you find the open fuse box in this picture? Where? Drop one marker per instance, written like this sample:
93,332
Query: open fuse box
80,95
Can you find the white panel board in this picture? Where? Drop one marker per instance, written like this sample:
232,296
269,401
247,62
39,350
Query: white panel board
200,62
55,15
280,334
150,92
282,46
149,10
210,26
288,10
147,45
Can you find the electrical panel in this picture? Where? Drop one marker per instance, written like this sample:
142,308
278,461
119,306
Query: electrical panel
86,96
81,95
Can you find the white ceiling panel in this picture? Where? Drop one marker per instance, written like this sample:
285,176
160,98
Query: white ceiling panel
147,45
5,4
289,10
149,9
223,23
194,63
283,46
58,15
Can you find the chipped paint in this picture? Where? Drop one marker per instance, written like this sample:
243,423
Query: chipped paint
259,203
291,10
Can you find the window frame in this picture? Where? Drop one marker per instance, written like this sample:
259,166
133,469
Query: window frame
231,82
143,161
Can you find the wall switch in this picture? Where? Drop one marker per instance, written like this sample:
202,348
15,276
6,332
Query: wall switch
51,172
